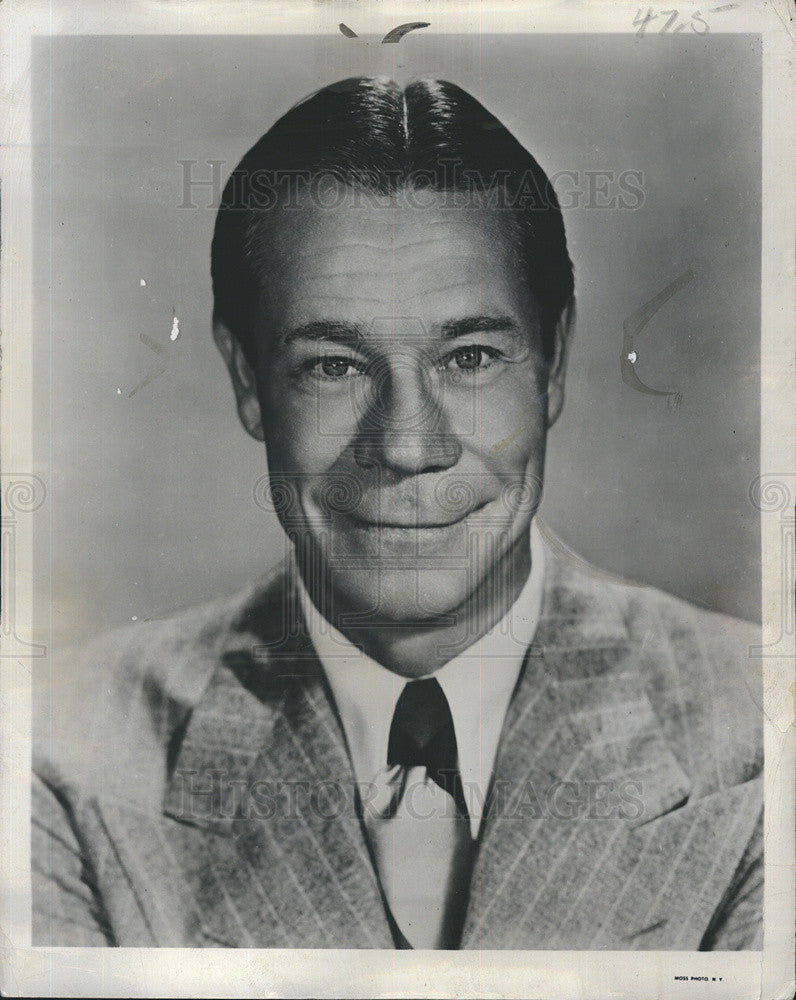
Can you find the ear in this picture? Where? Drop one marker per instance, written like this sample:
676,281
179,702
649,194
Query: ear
558,366
244,382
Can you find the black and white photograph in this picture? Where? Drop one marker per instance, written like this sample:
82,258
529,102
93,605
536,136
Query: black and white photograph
403,559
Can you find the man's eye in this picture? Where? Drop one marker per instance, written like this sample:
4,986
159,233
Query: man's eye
336,366
472,358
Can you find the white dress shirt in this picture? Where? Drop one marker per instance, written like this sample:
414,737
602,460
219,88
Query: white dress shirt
478,684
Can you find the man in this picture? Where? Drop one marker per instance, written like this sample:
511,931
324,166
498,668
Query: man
432,727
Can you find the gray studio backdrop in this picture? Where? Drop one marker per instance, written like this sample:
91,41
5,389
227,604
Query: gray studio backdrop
150,478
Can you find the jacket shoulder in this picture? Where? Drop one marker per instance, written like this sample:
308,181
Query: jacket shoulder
104,716
698,667
704,680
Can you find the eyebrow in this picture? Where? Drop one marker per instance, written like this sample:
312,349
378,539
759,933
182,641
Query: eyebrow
326,329
478,324
340,332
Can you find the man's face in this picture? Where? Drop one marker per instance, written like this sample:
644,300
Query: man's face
402,392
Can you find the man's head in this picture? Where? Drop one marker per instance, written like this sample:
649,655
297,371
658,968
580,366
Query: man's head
393,297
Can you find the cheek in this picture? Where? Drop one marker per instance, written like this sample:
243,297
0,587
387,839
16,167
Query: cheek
508,420
301,434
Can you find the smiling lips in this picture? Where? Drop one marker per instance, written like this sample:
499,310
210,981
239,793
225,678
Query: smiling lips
414,524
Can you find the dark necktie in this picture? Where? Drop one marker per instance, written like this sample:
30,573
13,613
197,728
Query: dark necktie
422,840
422,735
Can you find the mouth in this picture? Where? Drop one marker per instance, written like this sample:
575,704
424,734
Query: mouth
404,525
408,525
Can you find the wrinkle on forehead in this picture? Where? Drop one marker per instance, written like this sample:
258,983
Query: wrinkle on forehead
392,228
435,265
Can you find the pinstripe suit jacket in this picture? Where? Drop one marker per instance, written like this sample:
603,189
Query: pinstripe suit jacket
192,785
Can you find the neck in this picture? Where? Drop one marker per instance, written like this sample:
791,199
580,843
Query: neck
415,649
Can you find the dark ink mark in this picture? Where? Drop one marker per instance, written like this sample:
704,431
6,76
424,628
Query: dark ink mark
158,349
152,344
674,401
394,36
347,31
647,930
633,326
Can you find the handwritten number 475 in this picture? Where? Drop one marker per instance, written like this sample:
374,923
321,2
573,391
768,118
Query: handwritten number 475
642,20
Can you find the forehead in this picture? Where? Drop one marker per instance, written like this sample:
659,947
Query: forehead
386,258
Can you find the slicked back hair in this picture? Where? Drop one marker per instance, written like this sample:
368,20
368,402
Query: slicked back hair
371,134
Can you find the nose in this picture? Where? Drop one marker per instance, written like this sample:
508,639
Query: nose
404,427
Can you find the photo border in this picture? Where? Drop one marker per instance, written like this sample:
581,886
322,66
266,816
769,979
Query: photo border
277,972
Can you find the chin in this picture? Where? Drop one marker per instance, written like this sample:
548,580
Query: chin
403,596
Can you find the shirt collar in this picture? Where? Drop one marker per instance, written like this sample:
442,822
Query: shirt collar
478,684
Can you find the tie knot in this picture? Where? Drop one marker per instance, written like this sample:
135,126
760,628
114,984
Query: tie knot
422,726
422,735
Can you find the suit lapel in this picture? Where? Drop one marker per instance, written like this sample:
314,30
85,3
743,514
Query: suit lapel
311,858
588,841
277,856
